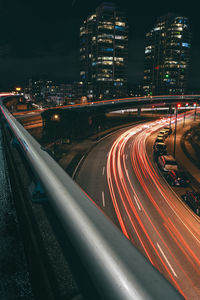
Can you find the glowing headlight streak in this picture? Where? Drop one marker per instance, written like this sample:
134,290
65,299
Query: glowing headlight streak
120,183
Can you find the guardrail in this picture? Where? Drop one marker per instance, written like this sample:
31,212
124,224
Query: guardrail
116,267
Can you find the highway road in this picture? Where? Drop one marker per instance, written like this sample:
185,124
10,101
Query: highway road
119,174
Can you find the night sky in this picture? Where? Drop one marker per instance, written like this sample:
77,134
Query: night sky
40,37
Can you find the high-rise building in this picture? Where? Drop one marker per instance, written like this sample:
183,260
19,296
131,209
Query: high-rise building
104,53
167,56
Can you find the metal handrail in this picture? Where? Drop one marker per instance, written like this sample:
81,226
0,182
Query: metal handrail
118,270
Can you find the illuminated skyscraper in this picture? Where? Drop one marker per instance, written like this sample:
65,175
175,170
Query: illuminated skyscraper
104,53
167,56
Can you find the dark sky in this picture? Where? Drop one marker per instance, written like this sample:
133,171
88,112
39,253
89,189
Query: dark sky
42,37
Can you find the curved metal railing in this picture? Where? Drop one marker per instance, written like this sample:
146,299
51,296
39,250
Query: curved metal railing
116,267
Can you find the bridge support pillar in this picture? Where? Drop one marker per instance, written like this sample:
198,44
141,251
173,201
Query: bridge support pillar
139,111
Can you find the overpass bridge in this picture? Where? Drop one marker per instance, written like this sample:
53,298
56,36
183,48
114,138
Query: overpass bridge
124,103
81,119
108,262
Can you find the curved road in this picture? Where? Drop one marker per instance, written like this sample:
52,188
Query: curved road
120,173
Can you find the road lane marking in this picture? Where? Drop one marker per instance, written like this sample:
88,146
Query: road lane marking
126,156
137,203
163,254
103,199
75,171
103,170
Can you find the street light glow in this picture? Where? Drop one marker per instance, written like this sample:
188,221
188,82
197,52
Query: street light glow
56,117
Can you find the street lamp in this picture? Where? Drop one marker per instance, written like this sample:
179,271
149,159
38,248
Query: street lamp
186,104
195,111
18,90
170,116
177,106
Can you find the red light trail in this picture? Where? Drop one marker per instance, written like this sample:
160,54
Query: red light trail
150,214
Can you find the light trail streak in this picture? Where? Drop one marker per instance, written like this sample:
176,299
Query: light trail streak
118,145
135,211
103,198
103,171
163,254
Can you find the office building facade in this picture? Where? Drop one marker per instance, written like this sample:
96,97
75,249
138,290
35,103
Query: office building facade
104,53
167,56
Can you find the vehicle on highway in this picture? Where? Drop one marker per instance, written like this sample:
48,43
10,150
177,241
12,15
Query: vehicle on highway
177,178
160,149
164,133
167,129
167,163
192,198
158,140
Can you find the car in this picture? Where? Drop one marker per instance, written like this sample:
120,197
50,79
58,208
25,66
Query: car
161,135
192,198
167,163
160,149
158,140
168,130
164,133
177,178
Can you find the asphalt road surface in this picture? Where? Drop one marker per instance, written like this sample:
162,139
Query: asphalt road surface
119,174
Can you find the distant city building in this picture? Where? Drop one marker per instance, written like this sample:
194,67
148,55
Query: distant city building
167,56
47,91
66,91
78,90
135,90
104,53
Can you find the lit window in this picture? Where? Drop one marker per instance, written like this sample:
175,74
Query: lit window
157,28
105,58
107,63
107,23
104,79
105,71
118,59
107,49
118,63
105,27
119,27
119,46
118,83
120,23
187,45
120,37
148,49
178,36
105,35
107,41
183,66
83,32
91,17
149,34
